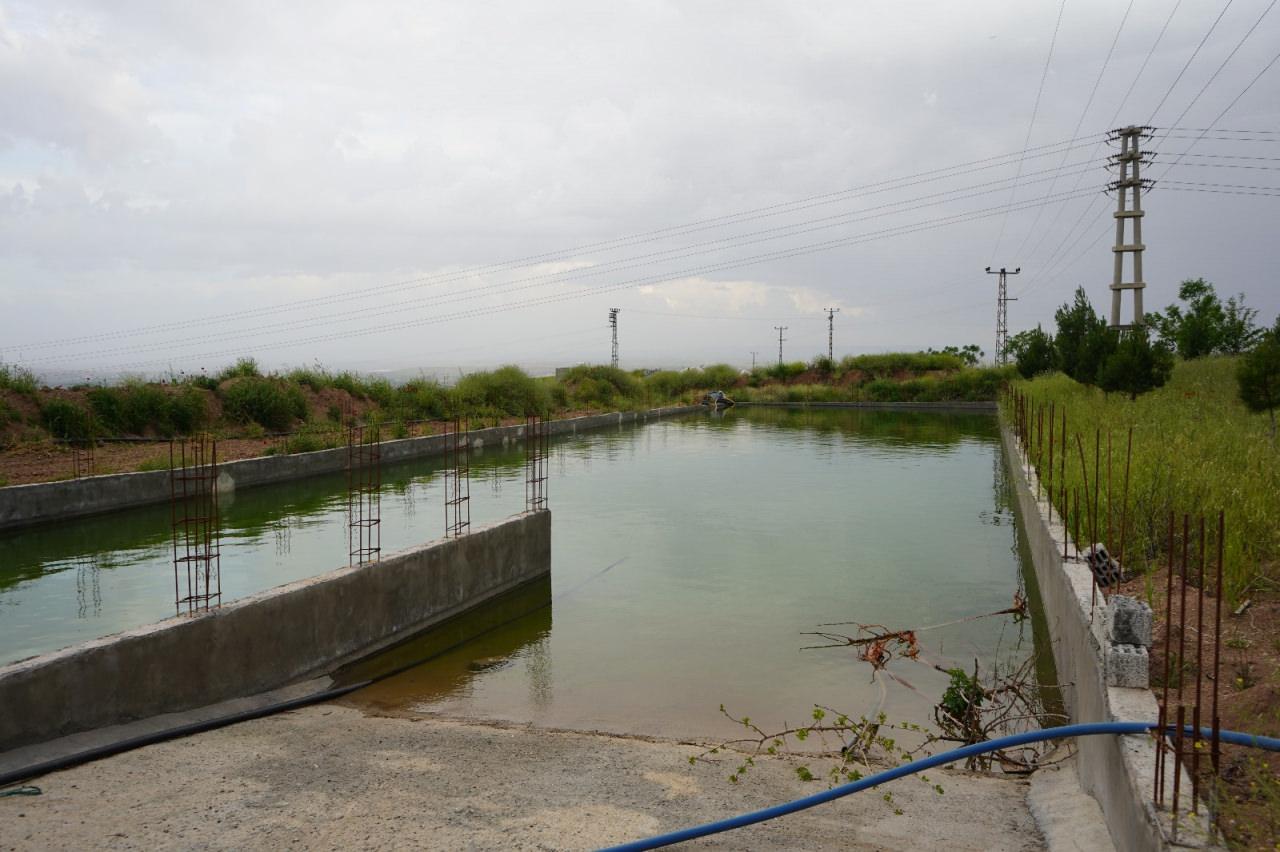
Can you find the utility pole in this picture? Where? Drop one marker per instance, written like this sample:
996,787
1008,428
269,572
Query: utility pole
613,324
1002,313
1130,158
753,360
831,332
780,329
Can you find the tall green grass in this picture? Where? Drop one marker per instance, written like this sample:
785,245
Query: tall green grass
18,380
1196,449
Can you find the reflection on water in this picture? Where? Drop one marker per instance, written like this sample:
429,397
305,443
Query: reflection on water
689,557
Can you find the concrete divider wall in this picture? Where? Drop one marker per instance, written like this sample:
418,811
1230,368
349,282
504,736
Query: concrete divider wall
267,640
954,407
23,505
1118,771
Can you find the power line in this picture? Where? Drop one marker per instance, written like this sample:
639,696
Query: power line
942,173
1234,100
1079,123
1093,153
623,264
737,263
1218,71
1190,59
1035,110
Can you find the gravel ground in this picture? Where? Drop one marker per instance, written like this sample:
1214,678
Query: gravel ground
331,777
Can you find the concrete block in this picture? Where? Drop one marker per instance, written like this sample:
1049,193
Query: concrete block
1127,666
1106,570
1128,621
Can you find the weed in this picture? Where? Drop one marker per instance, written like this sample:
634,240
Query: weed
152,464
66,420
243,368
1196,449
17,379
270,403
1244,676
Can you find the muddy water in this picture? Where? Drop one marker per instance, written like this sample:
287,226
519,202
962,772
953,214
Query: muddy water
690,557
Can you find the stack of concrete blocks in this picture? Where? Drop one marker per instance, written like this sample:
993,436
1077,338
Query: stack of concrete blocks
1128,642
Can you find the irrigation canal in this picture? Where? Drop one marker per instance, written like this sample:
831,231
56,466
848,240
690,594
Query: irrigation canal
689,555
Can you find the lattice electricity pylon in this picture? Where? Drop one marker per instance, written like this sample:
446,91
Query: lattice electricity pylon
1129,161
193,502
364,494
457,481
535,463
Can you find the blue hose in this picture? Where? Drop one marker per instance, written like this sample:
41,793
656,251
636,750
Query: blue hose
1083,730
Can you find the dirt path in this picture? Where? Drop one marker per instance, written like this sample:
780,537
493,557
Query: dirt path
330,777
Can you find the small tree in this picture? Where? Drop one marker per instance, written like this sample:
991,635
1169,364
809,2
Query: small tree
1258,375
1033,351
1136,366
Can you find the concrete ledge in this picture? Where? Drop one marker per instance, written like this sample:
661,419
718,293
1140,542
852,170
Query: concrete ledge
267,640
1118,772
24,505
988,407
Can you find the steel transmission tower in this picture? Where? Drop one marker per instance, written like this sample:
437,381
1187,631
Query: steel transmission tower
1129,160
1002,311
831,332
780,329
613,324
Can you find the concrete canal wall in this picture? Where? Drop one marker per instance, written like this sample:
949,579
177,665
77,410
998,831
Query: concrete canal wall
267,640
23,505
1118,771
959,406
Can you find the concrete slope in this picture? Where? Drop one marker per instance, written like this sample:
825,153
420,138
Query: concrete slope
330,777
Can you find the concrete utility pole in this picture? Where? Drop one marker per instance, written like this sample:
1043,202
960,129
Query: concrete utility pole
613,324
753,360
831,332
1129,160
1002,312
780,329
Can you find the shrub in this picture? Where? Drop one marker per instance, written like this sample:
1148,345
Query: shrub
17,379
506,389
136,408
267,402
66,420
424,399
243,368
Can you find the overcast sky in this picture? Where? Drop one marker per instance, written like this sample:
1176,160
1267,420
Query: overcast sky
397,185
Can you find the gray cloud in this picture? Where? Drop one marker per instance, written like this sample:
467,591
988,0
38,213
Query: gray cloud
168,161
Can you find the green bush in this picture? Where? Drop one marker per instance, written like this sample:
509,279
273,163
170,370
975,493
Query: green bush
267,402
243,368
17,379
136,409
420,399
508,390
66,420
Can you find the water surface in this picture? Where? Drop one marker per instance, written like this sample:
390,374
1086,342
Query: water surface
689,558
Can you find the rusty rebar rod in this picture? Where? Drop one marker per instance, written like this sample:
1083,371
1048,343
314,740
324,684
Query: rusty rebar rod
1217,644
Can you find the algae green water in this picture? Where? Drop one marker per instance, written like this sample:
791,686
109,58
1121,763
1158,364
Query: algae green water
689,558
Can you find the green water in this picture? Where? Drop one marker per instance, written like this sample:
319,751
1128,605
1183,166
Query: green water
689,557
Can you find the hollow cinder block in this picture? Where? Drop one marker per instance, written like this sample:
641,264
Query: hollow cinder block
1128,666
1128,621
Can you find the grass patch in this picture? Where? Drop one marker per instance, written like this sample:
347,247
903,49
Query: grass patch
270,403
18,380
1196,449
152,464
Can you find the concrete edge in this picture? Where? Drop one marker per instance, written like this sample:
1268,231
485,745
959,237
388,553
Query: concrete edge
315,624
43,502
988,407
1119,772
